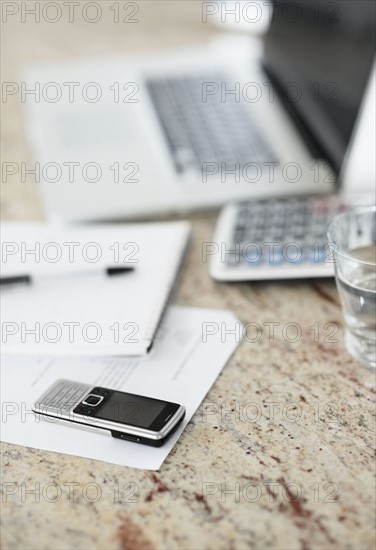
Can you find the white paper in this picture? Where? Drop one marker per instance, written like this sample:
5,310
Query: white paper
86,315
188,355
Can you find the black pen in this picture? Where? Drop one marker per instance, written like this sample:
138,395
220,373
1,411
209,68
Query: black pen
31,279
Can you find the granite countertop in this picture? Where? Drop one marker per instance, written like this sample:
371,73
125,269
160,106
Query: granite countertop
280,454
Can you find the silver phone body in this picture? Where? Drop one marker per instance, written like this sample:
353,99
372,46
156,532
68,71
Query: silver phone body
64,396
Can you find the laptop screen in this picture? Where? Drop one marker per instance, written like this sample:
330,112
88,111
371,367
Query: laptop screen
319,55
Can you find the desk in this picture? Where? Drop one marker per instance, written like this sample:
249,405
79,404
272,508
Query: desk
284,418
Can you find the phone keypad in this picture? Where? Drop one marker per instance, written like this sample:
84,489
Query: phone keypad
63,396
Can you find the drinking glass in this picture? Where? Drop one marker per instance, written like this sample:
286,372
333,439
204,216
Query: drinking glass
352,237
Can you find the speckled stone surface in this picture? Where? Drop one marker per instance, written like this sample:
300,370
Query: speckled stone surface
281,453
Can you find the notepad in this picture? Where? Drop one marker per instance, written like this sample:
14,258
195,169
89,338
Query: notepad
94,315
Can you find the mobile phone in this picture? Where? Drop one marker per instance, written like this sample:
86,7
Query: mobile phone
125,416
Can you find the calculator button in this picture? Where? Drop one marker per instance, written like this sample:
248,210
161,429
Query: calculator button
275,256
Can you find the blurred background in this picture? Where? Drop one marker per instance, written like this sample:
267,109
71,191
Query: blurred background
160,25
49,32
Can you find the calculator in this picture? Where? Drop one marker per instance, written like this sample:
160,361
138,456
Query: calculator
274,239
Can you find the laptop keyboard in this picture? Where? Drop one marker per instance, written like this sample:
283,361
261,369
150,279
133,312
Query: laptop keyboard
202,128
274,232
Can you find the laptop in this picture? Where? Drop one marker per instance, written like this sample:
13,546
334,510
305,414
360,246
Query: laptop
196,129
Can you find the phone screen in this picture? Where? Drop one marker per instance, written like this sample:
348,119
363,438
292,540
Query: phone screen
130,409
127,408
